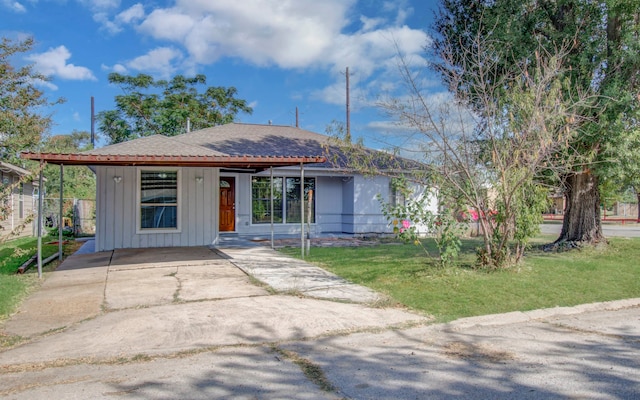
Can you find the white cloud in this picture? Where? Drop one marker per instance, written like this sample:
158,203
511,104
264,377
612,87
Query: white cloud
13,6
47,84
131,14
159,61
290,34
103,11
370,23
119,68
54,63
286,33
100,5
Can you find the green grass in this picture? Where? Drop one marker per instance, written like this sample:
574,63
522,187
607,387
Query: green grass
543,280
15,252
13,287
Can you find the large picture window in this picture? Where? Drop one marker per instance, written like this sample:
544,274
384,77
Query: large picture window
293,199
260,203
286,199
158,199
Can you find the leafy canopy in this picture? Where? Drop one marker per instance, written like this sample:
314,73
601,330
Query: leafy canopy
603,56
78,181
22,122
150,107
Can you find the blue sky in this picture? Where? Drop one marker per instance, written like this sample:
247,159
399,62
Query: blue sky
279,54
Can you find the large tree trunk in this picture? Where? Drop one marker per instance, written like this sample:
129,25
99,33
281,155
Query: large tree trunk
582,213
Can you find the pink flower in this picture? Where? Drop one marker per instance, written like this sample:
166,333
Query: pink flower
406,224
474,215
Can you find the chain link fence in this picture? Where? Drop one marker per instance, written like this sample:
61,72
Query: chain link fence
78,215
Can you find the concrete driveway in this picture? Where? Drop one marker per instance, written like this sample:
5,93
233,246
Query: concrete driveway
190,323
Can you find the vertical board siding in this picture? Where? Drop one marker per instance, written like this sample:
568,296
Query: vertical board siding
117,210
129,200
208,205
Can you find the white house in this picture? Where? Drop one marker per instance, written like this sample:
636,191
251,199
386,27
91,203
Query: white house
190,189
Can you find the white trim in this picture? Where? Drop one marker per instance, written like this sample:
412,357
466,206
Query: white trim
178,228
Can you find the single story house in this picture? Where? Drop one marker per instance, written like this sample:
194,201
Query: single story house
240,179
18,206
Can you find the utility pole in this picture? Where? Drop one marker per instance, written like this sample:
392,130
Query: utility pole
93,124
348,135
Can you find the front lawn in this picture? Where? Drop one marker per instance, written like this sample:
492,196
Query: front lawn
543,280
13,287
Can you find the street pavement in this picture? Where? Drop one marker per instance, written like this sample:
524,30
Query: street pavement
631,230
188,323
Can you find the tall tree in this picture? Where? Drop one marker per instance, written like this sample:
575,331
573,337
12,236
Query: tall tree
22,124
150,106
604,47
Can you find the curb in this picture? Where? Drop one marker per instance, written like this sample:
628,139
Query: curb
526,316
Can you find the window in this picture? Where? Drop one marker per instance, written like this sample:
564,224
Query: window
397,192
260,203
283,188
159,199
293,199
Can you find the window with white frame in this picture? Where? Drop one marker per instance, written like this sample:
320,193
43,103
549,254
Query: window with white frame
286,200
159,200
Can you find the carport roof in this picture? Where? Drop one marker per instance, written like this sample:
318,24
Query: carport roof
159,150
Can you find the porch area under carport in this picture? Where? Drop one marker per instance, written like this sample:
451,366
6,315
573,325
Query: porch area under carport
158,151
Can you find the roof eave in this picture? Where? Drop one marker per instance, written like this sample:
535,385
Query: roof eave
173,161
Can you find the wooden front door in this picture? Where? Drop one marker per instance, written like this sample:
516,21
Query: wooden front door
227,204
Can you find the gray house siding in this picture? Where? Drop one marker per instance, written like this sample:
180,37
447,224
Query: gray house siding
117,210
344,204
367,214
329,196
336,199
20,206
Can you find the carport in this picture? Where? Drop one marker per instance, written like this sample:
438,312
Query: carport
156,157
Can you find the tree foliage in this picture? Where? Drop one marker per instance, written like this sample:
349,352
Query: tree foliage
78,181
22,122
602,55
484,147
150,106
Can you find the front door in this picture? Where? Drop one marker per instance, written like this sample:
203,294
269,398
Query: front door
227,204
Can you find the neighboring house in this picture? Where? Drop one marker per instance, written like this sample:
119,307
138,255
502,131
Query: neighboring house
187,190
18,208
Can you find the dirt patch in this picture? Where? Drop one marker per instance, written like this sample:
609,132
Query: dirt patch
479,353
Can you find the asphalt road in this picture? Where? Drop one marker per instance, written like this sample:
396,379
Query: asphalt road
588,352
609,230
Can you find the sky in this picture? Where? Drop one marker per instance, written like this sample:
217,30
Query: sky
278,54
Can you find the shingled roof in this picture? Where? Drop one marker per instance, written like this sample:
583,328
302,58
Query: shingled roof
156,145
257,140
175,151
232,145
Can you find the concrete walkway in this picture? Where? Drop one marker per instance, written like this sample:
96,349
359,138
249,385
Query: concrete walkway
288,275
